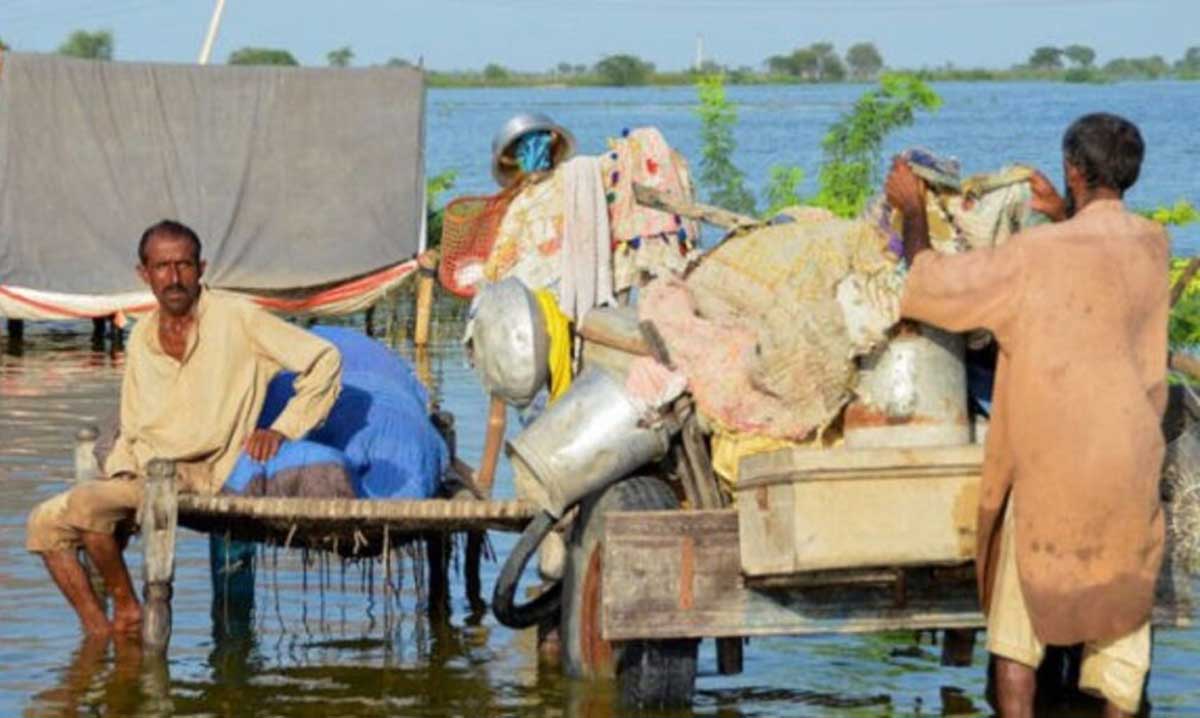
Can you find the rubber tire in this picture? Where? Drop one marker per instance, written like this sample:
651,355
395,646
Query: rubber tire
649,673
547,603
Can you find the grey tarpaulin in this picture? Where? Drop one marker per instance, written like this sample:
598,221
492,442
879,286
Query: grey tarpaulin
293,177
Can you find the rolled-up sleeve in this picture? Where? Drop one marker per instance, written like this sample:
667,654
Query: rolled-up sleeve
980,289
316,362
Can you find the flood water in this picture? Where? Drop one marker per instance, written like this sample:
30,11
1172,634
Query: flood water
325,640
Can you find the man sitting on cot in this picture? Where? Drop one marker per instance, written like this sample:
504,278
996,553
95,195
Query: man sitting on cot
196,373
1070,536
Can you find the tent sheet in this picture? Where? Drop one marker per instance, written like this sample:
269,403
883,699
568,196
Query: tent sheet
292,177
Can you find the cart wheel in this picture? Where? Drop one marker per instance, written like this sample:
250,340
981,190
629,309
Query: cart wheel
649,673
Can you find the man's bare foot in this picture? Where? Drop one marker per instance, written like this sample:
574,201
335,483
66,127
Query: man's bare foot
127,618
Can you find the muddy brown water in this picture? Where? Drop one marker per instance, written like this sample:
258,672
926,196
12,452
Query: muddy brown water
324,640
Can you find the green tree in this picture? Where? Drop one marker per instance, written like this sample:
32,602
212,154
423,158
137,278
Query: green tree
261,56
864,60
563,68
725,182
816,63
96,45
3,45
1081,55
781,65
783,188
853,147
1046,58
398,62
1189,64
341,57
435,187
829,65
1148,68
495,73
624,70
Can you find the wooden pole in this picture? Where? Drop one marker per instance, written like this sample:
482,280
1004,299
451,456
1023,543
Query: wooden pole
492,442
730,657
484,478
650,197
427,273
159,519
1181,284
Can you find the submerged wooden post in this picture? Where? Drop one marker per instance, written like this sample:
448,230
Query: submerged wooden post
427,273
486,476
160,513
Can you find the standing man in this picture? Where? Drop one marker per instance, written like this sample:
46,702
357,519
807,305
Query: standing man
1070,525
196,374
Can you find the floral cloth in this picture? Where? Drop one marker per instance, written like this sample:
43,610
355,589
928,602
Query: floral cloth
644,242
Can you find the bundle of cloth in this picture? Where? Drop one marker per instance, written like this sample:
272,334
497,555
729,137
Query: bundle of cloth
377,443
767,327
578,231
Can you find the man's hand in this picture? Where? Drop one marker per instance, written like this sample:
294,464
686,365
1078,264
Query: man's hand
263,444
904,190
1046,199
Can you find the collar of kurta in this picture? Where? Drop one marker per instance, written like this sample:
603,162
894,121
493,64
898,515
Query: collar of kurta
152,320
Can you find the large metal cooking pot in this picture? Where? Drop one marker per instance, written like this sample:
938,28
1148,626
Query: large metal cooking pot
913,392
509,346
592,436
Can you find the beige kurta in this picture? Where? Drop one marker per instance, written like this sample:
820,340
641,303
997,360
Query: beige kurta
1080,312
201,411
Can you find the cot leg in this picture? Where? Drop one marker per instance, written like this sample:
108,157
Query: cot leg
160,509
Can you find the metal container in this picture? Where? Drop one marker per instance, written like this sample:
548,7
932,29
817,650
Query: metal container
913,392
504,168
509,346
592,436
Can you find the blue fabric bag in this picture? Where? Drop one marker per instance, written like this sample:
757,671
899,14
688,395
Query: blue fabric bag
380,421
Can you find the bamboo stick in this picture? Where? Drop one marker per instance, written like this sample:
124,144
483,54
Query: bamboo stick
428,263
1181,284
716,216
493,441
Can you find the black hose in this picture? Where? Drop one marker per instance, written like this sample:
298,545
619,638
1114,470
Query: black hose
547,602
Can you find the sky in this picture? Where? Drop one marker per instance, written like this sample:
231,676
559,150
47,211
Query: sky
535,35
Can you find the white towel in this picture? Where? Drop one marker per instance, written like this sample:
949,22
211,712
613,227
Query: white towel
586,256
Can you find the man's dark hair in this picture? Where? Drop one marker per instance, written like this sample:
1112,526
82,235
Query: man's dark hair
1107,149
171,228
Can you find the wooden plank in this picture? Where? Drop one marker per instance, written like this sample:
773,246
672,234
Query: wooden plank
674,574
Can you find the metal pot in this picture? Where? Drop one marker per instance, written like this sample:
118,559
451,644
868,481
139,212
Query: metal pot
509,345
504,167
912,392
592,436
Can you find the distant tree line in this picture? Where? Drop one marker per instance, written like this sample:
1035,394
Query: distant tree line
1082,67
816,62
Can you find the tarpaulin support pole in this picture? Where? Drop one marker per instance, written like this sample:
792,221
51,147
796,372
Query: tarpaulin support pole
428,263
